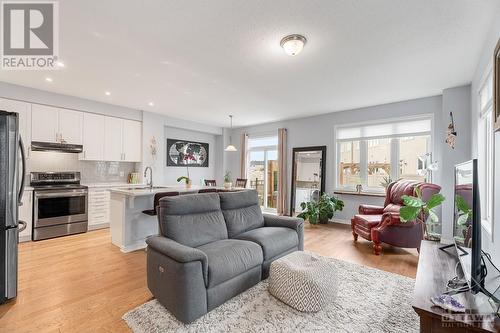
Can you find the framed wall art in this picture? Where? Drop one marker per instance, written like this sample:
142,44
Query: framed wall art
187,153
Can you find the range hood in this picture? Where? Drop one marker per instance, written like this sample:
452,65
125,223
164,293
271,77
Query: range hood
57,147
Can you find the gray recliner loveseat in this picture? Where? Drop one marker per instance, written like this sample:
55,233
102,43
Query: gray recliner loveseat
212,247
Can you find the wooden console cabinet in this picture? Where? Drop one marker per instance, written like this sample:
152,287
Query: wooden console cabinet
435,268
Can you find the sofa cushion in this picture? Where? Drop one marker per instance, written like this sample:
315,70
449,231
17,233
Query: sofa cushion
241,211
273,240
193,219
229,258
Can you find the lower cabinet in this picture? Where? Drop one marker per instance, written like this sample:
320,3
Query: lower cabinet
26,215
98,208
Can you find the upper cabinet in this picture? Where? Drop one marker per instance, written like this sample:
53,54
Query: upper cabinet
132,141
93,137
24,111
113,139
51,124
71,126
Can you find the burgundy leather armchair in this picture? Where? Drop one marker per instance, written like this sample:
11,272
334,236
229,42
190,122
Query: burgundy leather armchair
382,224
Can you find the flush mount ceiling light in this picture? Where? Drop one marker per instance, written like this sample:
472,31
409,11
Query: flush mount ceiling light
293,44
230,146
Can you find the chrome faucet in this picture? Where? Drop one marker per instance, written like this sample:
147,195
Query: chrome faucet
150,182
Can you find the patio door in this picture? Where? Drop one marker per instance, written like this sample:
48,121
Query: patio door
262,170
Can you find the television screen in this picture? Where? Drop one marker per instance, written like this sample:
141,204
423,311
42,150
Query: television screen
467,222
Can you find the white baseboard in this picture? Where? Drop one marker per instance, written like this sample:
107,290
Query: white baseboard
98,226
341,221
133,247
25,238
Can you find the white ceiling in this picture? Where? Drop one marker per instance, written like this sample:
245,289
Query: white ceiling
202,60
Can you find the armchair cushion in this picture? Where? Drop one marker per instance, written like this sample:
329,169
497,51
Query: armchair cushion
229,258
294,223
370,210
192,220
241,211
179,252
273,240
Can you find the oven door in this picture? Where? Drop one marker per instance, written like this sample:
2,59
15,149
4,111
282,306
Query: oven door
53,207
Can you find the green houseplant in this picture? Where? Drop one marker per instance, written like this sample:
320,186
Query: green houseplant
415,206
186,179
322,210
227,180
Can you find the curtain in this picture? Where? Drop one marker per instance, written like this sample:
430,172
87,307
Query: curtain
282,172
243,155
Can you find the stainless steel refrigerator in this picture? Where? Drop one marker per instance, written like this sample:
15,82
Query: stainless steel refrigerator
12,175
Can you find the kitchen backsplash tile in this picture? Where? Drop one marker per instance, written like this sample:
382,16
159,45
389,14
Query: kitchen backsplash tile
91,172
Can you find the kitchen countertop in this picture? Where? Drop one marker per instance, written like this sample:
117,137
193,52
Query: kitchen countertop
112,184
139,192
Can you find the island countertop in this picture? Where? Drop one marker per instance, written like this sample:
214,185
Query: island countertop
147,191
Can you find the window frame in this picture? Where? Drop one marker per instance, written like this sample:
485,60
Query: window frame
486,152
394,154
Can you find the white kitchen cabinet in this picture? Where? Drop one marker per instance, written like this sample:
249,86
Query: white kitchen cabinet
98,208
26,215
24,111
113,142
44,123
93,137
50,124
132,141
71,126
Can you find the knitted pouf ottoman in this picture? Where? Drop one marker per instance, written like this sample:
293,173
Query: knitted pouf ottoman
303,280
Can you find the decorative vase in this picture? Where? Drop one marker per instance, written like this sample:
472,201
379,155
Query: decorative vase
188,184
228,185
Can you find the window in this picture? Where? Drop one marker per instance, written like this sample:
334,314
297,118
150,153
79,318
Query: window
262,169
372,155
485,151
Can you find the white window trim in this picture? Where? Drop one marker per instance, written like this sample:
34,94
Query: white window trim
487,225
394,175
265,149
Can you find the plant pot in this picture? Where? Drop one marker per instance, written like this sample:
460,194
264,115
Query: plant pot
188,184
324,221
228,185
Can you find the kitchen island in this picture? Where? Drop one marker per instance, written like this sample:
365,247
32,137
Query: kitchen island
129,225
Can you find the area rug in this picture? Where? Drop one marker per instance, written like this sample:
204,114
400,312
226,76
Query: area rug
368,300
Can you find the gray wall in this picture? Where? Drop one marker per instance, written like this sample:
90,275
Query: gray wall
197,175
491,242
160,127
319,131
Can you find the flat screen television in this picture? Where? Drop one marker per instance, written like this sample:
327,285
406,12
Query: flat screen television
467,223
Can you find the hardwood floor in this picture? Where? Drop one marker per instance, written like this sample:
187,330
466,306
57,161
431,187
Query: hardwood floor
83,283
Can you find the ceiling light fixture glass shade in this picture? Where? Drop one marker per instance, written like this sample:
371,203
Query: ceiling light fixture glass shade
230,146
293,44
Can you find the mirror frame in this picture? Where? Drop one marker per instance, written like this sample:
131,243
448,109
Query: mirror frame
294,171
496,86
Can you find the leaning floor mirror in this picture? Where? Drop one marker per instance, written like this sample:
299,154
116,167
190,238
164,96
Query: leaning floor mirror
308,169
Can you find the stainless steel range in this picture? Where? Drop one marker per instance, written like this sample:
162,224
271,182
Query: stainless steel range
61,204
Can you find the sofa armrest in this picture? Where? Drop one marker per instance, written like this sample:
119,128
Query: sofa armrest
294,223
393,219
179,252
370,210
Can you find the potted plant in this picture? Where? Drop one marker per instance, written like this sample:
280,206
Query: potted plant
415,207
186,179
322,210
227,180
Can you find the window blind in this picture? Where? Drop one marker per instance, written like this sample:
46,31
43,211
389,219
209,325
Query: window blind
384,130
